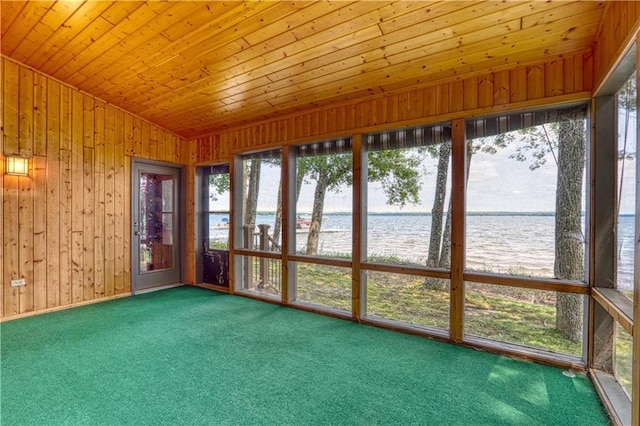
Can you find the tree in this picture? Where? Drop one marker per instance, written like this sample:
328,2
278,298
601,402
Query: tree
330,172
220,183
439,254
567,137
397,171
253,188
569,258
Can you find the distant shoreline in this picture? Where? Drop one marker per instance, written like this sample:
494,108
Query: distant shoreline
429,214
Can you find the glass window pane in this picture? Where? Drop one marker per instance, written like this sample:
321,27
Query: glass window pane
260,210
539,319
408,196
323,285
623,358
156,221
627,158
526,194
259,275
218,199
410,299
323,194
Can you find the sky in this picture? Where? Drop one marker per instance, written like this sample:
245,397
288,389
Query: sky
497,183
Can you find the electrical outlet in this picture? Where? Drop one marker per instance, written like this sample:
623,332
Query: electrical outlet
18,283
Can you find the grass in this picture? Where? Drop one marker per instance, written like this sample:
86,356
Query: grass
514,315
623,358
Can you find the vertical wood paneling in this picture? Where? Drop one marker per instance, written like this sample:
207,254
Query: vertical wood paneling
65,228
25,142
620,21
109,202
119,185
25,242
40,115
53,194
65,205
10,240
470,97
126,228
88,225
11,82
39,210
535,82
485,91
99,198
501,87
518,84
77,161
457,96
554,78
137,136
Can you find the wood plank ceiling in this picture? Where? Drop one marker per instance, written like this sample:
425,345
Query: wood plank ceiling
196,67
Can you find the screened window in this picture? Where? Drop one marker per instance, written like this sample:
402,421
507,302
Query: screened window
408,196
217,220
526,194
626,208
323,198
259,211
257,217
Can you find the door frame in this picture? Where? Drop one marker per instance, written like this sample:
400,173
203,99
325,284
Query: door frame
181,188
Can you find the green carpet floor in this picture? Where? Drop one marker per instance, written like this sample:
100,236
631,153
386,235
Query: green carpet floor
192,356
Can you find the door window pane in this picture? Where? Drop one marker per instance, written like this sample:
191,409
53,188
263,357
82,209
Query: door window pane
627,158
408,196
526,194
156,221
217,201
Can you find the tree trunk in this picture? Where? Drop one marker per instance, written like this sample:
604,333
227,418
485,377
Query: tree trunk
569,258
278,224
437,213
438,205
252,192
316,215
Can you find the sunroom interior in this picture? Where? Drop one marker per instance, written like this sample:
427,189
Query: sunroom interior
462,171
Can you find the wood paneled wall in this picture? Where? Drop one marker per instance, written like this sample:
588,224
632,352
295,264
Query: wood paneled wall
65,228
620,23
557,80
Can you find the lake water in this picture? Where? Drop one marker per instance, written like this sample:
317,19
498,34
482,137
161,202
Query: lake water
518,244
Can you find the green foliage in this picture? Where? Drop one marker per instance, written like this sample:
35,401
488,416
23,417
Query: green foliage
334,169
627,95
398,171
220,183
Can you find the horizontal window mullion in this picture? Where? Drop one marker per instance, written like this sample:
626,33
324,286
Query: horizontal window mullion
404,269
618,306
331,261
565,286
257,253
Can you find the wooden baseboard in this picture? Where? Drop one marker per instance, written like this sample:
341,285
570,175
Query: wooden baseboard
62,308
